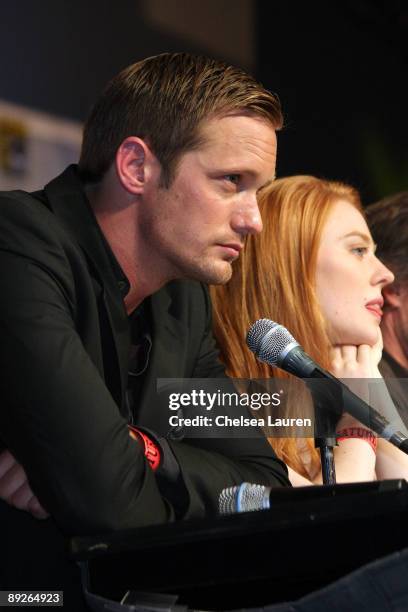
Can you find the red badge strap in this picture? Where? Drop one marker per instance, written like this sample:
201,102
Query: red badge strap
151,449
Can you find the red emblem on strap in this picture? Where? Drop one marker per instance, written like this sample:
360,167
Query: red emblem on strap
151,449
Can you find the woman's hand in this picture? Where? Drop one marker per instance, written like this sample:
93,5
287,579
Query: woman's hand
356,365
350,361
376,355
354,457
353,365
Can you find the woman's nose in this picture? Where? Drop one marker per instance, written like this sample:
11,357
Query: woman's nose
383,275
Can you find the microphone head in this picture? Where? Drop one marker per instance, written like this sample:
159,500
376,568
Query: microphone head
270,341
227,501
257,332
246,497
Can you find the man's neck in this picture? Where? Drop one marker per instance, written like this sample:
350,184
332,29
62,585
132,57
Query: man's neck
117,220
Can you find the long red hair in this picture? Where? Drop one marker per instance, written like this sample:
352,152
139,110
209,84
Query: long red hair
275,279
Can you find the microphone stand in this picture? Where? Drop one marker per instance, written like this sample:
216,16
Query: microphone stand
325,444
325,396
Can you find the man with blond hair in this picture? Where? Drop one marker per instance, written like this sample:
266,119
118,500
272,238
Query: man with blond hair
103,274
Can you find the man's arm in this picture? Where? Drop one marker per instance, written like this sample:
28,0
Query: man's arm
64,427
57,416
208,465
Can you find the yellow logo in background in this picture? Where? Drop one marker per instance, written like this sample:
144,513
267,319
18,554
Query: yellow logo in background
13,146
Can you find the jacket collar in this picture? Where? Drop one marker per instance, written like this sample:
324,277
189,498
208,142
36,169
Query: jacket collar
67,199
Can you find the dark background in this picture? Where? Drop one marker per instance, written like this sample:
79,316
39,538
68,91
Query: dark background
340,69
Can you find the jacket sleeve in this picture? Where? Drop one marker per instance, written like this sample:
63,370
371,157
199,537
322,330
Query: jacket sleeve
210,464
57,416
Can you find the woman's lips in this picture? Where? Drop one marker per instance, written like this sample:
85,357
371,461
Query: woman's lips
375,309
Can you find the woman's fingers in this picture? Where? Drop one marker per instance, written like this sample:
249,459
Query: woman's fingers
349,353
364,352
349,361
377,350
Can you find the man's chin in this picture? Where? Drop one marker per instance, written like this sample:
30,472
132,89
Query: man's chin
216,275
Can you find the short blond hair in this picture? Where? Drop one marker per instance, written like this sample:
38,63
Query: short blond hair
164,99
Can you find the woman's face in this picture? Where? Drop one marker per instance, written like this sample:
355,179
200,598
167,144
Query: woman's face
349,278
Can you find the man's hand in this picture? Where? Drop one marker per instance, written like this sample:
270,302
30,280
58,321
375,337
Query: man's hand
15,489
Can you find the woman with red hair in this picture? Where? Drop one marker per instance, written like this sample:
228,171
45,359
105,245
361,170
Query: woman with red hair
313,269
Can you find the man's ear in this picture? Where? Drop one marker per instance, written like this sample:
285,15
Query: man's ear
392,295
135,164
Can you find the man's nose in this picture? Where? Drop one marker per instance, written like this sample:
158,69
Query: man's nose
247,219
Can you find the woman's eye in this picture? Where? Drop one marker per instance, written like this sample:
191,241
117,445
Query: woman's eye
360,251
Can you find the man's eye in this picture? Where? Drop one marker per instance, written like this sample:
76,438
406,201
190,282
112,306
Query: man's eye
232,178
360,251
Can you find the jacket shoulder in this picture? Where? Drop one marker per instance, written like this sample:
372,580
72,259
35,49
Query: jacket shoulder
24,214
32,235
28,227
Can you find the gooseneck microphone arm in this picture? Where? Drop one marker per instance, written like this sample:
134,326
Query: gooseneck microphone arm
298,363
273,344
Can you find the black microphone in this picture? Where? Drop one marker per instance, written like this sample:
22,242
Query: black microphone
276,346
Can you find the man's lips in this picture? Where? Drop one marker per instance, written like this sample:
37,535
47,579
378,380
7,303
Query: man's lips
232,248
375,306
